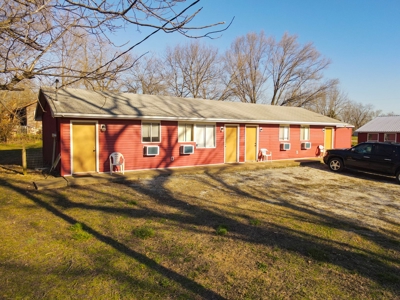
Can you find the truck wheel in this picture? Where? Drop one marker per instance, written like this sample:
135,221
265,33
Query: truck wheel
336,164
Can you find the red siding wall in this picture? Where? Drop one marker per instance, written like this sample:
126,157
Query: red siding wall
65,146
269,138
125,136
363,137
343,137
49,126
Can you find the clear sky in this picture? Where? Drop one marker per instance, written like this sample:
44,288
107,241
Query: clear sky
361,37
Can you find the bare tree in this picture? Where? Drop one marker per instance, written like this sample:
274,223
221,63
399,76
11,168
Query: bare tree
246,66
296,72
359,114
331,103
81,53
10,105
146,77
8,117
31,33
389,114
193,70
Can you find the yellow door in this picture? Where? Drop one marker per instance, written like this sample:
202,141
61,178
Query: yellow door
231,143
83,147
328,142
251,143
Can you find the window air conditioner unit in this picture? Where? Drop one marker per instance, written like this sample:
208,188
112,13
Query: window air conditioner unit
285,146
306,145
187,149
151,150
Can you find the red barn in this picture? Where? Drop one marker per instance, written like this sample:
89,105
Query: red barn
82,128
380,129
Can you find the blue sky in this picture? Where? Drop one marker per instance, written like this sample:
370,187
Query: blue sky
361,37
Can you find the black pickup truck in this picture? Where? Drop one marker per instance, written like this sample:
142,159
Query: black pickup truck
375,157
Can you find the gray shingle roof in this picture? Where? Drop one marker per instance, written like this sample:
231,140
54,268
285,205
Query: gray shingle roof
382,124
77,103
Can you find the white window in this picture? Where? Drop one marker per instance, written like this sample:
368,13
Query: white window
151,132
185,132
305,133
390,137
205,136
373,137
284,133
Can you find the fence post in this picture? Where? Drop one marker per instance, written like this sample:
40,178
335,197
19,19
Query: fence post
24,164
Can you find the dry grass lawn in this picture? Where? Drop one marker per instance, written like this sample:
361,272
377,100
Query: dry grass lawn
288,233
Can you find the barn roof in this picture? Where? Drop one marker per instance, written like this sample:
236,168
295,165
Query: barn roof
78,103
382,124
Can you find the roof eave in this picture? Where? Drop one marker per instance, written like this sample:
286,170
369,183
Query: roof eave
183,119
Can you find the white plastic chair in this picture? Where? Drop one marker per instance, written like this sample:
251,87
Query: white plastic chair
117,160
321,150
265,154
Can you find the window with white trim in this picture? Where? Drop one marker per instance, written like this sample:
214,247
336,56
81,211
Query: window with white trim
372,137
390,137
305,133
151,132
205,136
185,132
284,132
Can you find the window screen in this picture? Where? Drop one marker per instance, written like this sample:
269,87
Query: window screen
151,132
373,137
185,132
305,133
390,137
205,136
284,132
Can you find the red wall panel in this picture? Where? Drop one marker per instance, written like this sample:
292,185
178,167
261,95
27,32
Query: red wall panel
49,126
362,137
65,146
125,136
343,137
269,138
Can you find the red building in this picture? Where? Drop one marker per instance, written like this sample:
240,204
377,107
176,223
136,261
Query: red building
380,129
82,128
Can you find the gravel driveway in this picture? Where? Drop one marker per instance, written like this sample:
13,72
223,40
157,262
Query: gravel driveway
370,200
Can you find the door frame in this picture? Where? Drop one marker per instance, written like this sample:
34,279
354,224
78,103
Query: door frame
332,137
245,141
96,128
237,141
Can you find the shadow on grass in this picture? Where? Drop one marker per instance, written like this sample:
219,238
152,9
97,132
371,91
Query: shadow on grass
185,282
354,259
365,263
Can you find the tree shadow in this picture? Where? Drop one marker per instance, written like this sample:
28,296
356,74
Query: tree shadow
194,212
278,235
62,201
